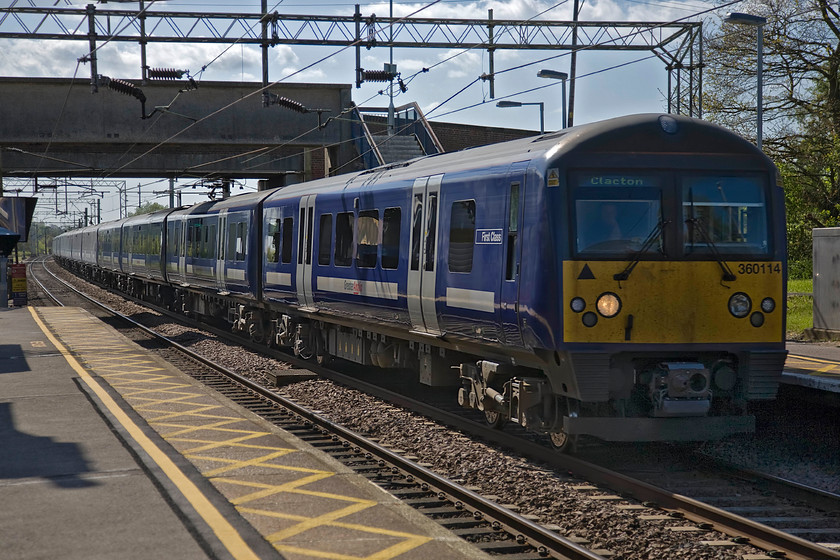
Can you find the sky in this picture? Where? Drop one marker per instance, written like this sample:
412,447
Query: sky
610,83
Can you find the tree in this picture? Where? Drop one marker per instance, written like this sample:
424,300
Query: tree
40,239
801,106
148,208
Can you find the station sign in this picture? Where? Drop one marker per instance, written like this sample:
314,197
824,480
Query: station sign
17,272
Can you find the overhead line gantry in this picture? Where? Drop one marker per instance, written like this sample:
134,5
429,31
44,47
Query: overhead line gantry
677,44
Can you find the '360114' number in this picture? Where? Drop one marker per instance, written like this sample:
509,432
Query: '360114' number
759,268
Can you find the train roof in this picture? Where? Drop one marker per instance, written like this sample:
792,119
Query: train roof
647,132
148,218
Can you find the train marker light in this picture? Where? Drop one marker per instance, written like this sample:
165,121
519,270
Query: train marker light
768,305
740,305
757,319
578,304
589,319
608,304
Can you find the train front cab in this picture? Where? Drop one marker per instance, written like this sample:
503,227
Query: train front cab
673,283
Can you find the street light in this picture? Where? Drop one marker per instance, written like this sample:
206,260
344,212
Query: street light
555,75
507,104
757,22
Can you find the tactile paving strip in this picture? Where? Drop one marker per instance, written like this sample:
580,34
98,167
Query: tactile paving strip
304,509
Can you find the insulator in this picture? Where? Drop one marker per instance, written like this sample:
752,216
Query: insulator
289,104
165,74
126,88
377,76
402,86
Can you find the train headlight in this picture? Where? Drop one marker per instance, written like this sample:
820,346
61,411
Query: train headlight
608,304
578,304
740,305
768,305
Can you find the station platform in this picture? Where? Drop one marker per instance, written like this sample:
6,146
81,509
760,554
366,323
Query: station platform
110,452
813,365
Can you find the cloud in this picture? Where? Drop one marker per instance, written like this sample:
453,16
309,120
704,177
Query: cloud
42,59
308,75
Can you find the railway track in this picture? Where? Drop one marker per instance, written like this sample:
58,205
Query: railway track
714,508
488,526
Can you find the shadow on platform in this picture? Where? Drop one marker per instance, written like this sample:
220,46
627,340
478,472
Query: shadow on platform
12,359
27,456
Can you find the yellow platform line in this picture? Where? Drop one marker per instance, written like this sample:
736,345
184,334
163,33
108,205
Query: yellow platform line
227,534
167,407
810,359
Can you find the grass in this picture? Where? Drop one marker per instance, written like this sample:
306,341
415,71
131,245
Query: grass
799,308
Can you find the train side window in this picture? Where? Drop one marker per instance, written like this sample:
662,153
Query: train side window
173,242
416,231
431,228
391,237
189,242
211,241
240,241
236,241
272,250
196,240
309,228
300,234
201,233
233,230
367,238
325,239
202,241
513,231
189,247
288,229
462,236
344,239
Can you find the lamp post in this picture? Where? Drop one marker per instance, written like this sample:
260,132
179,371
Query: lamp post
507,104
555,75
757,22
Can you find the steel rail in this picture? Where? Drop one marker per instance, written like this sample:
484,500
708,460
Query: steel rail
43,287
538,536
772,540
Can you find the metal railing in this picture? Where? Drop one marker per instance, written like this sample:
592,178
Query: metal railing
408,120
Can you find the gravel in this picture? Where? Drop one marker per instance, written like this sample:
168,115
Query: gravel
533,489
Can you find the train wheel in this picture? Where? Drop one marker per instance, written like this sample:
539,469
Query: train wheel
495,420
563,442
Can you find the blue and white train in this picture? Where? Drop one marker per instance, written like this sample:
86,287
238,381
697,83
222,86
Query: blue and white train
624,279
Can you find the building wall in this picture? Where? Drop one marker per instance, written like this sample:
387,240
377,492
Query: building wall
455,137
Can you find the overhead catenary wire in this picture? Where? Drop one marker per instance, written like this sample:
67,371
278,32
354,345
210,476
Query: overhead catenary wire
258,92
292,74
579,49
454,96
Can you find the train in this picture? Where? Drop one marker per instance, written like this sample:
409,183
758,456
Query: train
623,280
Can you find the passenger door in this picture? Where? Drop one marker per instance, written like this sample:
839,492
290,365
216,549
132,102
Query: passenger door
304,262
422,266
509,300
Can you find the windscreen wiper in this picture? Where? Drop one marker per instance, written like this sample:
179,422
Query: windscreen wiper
728,275
652,236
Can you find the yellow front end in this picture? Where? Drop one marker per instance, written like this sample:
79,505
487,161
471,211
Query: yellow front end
668,302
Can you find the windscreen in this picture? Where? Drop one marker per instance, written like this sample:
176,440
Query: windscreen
724,213
616,213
